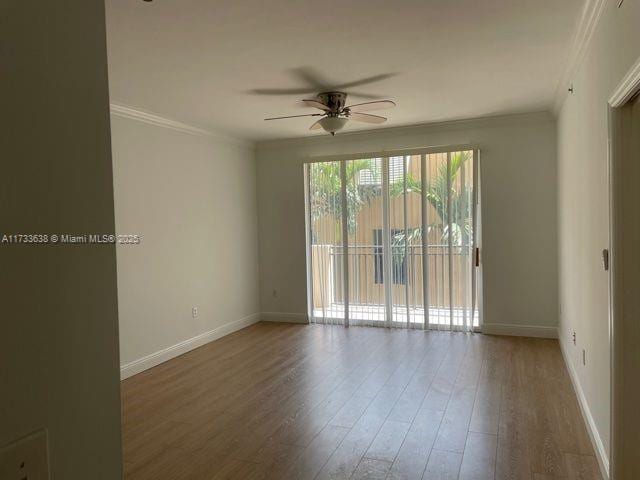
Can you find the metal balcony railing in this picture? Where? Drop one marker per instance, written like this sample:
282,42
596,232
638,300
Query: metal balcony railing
366,275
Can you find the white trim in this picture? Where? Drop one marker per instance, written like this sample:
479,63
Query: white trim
519,330
591,14
146,117
627,88
149,361
594,435
624,92
284,317
125,111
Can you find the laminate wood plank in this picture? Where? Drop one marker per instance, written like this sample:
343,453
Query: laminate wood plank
443,466
452,434
388,441
441,387
384,402
469,371
174,463
543,436
350,412
234,469
411,460
437,396
347,456
582,467
479,458
486,409
302,430
513,461
371,469
311,460
277,458
411,398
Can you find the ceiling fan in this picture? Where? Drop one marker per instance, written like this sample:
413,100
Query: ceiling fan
336,113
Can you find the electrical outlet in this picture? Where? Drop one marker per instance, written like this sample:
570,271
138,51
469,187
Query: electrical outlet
574,338
26,459
584,357
194,312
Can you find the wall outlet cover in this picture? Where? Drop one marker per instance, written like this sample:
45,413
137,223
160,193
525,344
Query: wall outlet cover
26,459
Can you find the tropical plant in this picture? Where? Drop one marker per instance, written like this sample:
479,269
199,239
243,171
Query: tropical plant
436,193
326,194
326,197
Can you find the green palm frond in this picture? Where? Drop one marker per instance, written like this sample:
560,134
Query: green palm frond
327,200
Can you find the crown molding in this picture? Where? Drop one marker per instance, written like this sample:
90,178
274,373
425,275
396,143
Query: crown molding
125,111
628,87
591,14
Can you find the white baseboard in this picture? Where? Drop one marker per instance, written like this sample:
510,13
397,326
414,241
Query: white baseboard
519,330
596,440
144,363
284,317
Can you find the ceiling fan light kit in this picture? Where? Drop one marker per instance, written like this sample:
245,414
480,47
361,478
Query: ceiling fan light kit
333,124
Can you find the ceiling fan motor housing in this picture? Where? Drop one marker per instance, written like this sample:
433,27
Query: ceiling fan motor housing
334,100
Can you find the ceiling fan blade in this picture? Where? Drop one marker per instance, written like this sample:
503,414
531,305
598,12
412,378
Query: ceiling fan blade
369,106
311,77
308,76
365,96
315,126
317,104
367,118
283,91
296,116
366,81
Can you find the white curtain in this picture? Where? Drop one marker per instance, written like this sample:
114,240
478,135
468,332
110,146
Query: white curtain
392,240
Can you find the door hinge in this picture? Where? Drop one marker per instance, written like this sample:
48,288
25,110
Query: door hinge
477,256
605,259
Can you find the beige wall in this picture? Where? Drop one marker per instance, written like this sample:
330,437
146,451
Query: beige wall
519,211
583,204
59,340
193,200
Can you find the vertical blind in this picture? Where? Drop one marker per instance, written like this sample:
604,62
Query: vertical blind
392,240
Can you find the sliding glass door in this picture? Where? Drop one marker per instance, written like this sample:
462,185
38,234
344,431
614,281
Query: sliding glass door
392,240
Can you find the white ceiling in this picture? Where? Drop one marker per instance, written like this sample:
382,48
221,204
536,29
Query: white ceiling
196,61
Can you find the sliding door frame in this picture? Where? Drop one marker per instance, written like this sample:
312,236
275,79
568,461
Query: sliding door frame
384,156
476,256
425,245
309,240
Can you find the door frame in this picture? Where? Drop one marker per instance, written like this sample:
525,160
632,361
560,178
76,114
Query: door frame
625,92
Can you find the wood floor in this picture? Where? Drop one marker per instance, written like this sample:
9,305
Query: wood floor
295,402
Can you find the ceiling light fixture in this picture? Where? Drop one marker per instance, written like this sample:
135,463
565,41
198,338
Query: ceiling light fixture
333,124
336,113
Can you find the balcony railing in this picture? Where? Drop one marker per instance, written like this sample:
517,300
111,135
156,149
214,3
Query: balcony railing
366,275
